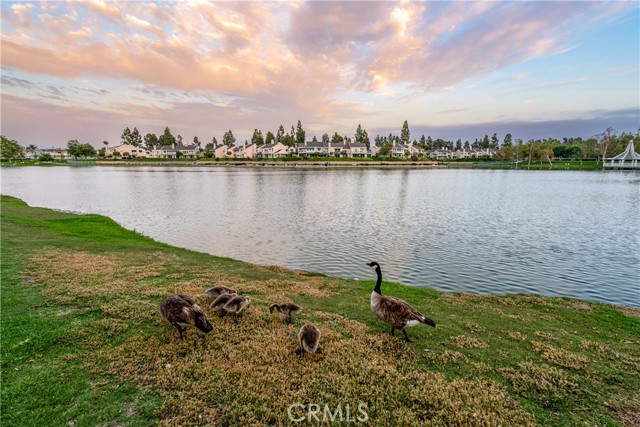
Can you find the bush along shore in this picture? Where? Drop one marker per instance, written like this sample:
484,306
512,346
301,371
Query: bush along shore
83,344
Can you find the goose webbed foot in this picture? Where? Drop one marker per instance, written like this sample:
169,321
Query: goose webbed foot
180,329
392,332
406,338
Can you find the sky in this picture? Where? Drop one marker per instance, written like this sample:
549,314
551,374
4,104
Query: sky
85,70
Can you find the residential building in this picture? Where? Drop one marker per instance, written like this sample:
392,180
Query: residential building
248,151
128,150
171,151
273,150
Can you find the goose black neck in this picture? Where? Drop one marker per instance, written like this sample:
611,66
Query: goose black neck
378,282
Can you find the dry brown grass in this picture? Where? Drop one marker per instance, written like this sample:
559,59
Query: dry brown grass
516,336
447,357
248,373
538,379
560,357
545,335
464,341
592,345
253,364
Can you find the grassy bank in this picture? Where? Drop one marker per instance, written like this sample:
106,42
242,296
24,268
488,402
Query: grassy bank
83,343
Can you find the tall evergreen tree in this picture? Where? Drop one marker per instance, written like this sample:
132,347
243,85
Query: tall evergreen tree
270,138
166,138
257,137
362,136
508,140
325,138
136,138
337,139
485,141
495,142
280,134
125,137
300,134
150,140
228,139
405,136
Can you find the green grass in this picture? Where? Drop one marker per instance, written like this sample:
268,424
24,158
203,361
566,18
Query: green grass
82,342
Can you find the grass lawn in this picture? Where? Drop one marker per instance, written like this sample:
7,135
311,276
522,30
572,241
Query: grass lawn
83,344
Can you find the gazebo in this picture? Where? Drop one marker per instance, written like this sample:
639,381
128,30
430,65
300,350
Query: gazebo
626,160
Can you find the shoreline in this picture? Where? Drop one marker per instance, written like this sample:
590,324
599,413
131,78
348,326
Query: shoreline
80,299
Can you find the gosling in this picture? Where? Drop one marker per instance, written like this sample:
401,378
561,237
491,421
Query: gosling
237,305
181,312
216,291
288,308
219,303
309,337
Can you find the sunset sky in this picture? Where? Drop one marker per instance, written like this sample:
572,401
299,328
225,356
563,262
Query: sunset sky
86,69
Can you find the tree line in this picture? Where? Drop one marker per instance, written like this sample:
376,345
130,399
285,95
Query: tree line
597,147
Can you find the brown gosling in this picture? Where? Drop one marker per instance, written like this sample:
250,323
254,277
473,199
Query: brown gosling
237,305
216,291
219,303
309,337
181,312
394,310
288,308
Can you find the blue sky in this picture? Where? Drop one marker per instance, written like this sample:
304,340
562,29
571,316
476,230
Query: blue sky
86,69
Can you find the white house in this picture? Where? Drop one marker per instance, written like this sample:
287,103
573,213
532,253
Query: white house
128,150
274,150
245,151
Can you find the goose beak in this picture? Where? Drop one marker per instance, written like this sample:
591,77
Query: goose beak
370,264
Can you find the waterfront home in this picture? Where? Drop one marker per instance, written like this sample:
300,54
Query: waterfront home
274,150
128,150
171,151
245,151
357,149
56,153
222,151
332,149
441,154
310,148
628,159
406,150
461,154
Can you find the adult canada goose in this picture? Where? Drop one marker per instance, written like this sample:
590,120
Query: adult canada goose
394,310
309,337
219,303
236,305
181,311
288,308
219,290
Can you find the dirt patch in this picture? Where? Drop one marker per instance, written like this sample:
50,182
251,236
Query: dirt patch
630,311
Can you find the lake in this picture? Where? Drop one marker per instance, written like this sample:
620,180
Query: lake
554,233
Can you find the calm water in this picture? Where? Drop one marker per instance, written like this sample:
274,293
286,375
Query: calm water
553,233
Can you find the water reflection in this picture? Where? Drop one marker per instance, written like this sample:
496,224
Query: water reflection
554,233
